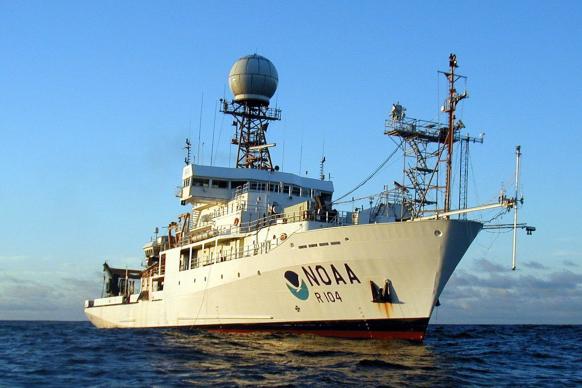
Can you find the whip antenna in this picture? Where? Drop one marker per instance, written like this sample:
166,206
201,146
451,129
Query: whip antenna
516,202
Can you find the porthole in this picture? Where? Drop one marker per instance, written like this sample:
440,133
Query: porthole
259,273
438,233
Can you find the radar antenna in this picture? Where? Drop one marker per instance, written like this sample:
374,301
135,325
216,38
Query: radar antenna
253,81
321,172
187,147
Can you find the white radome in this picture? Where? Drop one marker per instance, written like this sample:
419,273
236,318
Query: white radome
253,78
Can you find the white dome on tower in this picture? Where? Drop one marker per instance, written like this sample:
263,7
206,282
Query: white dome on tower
253,78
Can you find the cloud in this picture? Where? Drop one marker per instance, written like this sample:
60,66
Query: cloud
566,253
512,297
534,265
488,266
570,263
55,298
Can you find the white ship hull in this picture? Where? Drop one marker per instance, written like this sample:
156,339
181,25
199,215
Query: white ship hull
337,267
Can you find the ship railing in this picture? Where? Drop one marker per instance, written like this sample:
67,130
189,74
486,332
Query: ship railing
228,256
330,218
334,218
327,217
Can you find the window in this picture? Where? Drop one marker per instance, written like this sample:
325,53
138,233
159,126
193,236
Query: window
200,182
295,191
184,259
163,264
219,184
194,259
236,184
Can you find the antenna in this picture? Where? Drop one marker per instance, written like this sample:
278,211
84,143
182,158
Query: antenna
187,147
516,203
301,154
213,130
253,81
450,107
321,172
200,124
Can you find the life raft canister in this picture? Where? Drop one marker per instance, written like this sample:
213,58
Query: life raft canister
283,236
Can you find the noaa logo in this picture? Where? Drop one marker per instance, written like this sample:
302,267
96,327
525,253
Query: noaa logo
296,285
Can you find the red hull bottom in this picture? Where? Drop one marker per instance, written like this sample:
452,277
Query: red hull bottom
417,336
382,329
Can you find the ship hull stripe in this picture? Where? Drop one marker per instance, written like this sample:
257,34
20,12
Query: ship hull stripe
406,329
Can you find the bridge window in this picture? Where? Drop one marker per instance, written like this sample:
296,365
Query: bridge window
219,184
236,184
200,182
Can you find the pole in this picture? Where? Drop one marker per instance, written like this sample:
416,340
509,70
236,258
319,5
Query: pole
514,252
451,131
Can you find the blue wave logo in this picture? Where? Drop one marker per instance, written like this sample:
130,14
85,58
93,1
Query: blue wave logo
296,285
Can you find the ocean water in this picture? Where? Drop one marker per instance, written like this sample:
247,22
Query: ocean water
76,354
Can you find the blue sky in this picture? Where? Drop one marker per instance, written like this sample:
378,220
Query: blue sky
97,98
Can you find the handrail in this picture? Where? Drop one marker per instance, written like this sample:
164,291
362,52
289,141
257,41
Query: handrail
331,218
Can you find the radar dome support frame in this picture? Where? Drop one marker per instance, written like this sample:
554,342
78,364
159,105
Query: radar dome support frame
251,122
253,81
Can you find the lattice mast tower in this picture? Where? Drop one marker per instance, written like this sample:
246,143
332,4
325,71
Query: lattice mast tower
253,81
428,151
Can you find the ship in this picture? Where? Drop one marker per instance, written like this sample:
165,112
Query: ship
259,249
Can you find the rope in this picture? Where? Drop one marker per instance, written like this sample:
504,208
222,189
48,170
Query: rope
370,196
369,176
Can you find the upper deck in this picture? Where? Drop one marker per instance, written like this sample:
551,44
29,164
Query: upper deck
219,184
